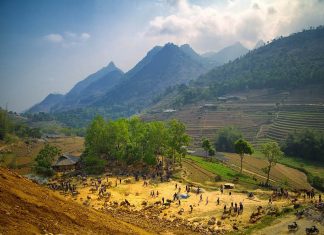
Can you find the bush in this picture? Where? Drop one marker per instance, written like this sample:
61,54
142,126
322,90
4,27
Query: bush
45,171
318,183
9,138
218,178
44,159
94,165
307,144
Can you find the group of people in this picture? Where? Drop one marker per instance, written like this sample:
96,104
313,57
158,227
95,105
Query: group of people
236,209
65,186
153,194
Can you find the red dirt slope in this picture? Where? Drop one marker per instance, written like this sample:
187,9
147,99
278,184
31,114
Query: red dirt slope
27,208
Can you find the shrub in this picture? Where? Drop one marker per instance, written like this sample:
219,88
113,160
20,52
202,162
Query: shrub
94,165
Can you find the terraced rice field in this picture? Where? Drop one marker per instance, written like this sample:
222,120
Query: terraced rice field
261,115
295,120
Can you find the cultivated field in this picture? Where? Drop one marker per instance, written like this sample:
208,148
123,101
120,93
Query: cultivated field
260,114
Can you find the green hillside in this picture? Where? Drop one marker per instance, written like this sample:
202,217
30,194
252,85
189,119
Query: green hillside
286,62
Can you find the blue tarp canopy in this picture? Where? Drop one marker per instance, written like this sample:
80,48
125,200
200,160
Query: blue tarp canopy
184,195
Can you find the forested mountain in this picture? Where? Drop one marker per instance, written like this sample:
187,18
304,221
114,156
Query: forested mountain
260,43
93,86
286,62
46,105
83,92
80,86
169,66
226,54
160,68
113,94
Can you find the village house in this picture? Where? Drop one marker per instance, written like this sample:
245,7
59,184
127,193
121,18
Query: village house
66,163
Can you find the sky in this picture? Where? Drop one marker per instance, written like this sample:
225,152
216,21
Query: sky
48,46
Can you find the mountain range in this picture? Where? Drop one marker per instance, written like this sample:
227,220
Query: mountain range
162,67
177,75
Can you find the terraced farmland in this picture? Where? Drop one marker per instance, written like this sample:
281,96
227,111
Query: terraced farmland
294,119
261,115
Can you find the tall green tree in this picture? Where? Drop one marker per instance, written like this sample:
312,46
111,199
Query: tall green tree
272,152
97,136
45,158
307,144
206,146
177,137
243,147
226,138
5,124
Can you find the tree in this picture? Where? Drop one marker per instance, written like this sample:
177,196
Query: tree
243,147
307,144
226,138
4,124
206,146
272,152
93,164
177,137
45,158
211,151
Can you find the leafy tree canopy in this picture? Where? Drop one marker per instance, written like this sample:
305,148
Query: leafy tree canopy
226,138
45,158
307,144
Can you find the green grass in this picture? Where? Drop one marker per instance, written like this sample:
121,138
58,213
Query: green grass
222,170
316,168
310,168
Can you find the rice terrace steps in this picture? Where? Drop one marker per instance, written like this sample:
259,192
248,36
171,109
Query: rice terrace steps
261,115
295,118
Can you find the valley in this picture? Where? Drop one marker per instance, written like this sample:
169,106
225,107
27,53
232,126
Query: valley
228,139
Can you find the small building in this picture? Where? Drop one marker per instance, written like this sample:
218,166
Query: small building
66,163
169,111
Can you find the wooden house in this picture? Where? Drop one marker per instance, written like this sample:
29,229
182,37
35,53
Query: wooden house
66,163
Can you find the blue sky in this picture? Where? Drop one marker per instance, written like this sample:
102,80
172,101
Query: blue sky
48,46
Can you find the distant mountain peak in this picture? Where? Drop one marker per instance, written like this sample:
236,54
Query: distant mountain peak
47,103
170,45
187,49
260,43
227,53
185,46
111,67
238,44
111,64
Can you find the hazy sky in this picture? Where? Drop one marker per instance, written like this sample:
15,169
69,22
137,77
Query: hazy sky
48,46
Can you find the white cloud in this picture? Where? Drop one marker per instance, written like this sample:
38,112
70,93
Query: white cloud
55,38
85,36
68,39
213,27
